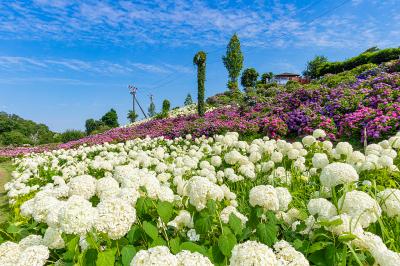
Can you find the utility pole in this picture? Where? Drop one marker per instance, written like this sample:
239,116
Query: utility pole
132,91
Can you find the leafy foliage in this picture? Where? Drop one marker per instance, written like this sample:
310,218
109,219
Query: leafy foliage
233,61
249,78
188,100
200,60
15,130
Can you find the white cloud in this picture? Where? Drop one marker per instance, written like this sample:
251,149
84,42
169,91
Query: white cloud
178,23
102,66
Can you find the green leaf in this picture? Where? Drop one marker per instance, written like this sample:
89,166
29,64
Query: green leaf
134,234
203,225
347,237
13,229
226,242
318,246
217,256
90,257
106,258
128,252
158,242
175,245
165,210
211,206
236,224
71,248
150,229
267,233
193,247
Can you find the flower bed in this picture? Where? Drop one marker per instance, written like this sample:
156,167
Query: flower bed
206,201
370,104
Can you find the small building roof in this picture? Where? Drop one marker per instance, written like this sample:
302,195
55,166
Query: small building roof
287,75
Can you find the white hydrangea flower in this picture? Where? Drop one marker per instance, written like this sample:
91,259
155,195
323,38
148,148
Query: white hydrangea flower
227,211
187,258
192,235
252,253
264,196
77,216
319,133
107,187
159,255
284,198
348,225
390,201
30,240
183,219
84,185
34,256
320,160
276,157
308,141
321,207
281,175
200,190
361,206
52,238
115,217
288,255
344,148
338,173
43,205
9,253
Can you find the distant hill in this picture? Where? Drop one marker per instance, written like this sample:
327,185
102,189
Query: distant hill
15,130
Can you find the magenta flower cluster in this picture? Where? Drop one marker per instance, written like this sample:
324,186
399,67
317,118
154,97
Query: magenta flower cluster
370,104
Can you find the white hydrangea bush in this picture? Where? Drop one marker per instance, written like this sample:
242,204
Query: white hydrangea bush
173,200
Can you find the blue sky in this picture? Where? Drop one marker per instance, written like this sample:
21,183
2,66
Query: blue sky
63,61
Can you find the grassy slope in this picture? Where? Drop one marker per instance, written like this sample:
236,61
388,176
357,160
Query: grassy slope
5,174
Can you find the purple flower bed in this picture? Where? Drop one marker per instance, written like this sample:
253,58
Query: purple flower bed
371,103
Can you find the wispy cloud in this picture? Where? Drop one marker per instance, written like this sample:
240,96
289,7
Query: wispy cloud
177,23
10,63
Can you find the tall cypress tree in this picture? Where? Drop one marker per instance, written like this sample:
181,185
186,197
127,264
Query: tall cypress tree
233,61
152,108
200,60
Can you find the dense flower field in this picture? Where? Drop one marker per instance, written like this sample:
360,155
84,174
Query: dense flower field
206,201
369,105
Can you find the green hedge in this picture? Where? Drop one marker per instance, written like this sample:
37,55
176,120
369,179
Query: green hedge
364,58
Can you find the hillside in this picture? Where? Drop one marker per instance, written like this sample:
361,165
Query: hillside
346,106
15,131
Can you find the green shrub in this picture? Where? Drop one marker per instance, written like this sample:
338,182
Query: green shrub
345,77
292,85
377,57
14,138
72,134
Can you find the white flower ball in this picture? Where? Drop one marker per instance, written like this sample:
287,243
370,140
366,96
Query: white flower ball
84,185
319,133
290,256
264,196
360,206
115,217
77,216
107,187
321,207
390,201
320,160
308,141
187,258
338,173
276,157
227,211
52,238
252,253
284,198
159,255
